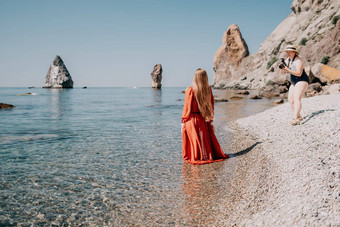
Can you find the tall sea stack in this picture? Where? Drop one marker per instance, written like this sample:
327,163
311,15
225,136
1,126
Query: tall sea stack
156,76
58,75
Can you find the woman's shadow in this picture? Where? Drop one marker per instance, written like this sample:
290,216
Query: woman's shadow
245,151
307,118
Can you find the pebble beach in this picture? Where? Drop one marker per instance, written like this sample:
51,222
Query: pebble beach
287,175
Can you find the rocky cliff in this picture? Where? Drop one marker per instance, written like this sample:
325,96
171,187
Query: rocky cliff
156,76
58,75
229,56
313,26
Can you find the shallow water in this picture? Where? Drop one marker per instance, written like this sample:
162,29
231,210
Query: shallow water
108,156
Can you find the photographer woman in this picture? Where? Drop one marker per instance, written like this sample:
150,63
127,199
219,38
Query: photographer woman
299,81
200,145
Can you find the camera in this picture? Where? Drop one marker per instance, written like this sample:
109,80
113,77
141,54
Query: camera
282,64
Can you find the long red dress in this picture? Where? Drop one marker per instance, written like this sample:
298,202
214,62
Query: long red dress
200,145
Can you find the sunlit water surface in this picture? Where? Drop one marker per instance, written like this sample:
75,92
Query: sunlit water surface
108,156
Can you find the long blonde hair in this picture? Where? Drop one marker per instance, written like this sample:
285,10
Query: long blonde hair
203,94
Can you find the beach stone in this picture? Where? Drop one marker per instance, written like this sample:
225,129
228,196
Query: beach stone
220,99
311,93
236,97
28,93
316,87
333,89
255,97
325,73
6,106
283,89
243,85
279,101
58,75
156,76
40,216
243,92
283,95
276,79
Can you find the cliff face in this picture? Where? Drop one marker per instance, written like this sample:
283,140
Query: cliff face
313,26
58,75
229,56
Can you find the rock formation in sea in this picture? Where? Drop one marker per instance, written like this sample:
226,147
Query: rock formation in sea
313,26
6,106
58,75
156,76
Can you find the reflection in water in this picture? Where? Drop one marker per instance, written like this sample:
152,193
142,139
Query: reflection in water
157,100
157,96
60,102
61,119
203,189
239,108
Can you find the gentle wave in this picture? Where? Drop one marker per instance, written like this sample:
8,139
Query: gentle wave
25,138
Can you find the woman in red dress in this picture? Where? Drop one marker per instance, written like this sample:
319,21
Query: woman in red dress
200,145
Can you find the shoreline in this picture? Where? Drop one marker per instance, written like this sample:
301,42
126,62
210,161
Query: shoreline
287,175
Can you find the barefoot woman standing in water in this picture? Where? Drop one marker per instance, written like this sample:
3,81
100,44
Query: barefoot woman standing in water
200,145
299,81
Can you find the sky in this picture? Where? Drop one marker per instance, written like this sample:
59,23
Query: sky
116,43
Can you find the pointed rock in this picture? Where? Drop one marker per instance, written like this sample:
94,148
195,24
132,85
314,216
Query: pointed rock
313,26
58,75
228,57
156,76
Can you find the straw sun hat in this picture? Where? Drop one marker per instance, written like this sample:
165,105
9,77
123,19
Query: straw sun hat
291,48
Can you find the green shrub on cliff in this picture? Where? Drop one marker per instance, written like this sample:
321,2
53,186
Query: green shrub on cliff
269,82
294,10
335,19
325,59
271,62
303,41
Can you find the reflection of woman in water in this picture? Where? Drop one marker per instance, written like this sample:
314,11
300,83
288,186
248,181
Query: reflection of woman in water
204,189
299,80
200,145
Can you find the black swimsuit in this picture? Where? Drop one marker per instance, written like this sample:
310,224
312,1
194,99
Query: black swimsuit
295,79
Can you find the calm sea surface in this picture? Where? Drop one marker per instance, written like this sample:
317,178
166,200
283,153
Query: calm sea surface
108,156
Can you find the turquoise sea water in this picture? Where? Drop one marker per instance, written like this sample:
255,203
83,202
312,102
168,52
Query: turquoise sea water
107,156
